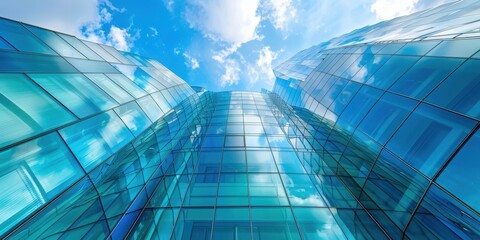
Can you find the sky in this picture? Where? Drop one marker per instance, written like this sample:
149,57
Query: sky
217,44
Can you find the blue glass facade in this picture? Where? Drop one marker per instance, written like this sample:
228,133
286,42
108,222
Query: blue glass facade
372,135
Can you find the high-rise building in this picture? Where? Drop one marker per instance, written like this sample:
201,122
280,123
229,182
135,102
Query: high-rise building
372,135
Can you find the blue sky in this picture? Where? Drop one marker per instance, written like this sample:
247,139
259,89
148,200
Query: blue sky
218,44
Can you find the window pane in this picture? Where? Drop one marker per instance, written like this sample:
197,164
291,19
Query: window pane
150,108
23,40
266,190
100,51
260,161
385,117
95,139
288,162
425,75
76,92
391,71
107,85
86,51
133,117
368,65
141,78
5,45
441,217
317,223
202,190
461,177
128,85
456,48
232,224
437,134
18,62
233,190
234,161
460,92
89,66
25,109
114,52
194,224
301,191
55,42
360,104
35,172
274,223
417,48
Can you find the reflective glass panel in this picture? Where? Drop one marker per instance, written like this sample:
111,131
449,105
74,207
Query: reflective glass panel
385,116
55,42
127,84
89,66
26,109
456,48
391,71
133,116
23,40
317,223
19,62
95,139
274,223
437,134
107,85
360,104
76,92
80,46
35,172
460,92
425,75
461,177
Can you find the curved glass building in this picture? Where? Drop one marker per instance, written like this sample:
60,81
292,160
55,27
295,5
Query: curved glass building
371,135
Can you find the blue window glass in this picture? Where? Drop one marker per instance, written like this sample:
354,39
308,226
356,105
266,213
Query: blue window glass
437,133
5,45
114,52
266,190
234,141
391,71
456,48
194,224
100,51
150,108
317,223
260,161
18,62
95,139
288,162
76,92
367,65
202,190
89,66
459,92
26,110
55,42
107,85
385,116
35,172
81,47
133,116
274,223
418,48
141,78
233,190
231,224
234,161
391,48
461,177
425,76
395,188
19,37
128,85
441,217
344,97
213,142
360,104
301,191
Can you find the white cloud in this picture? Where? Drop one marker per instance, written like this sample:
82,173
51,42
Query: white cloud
388,9
264,63
280,12
176,51
230,22
154,32
191,62
169,5
120,38
60,15
232,73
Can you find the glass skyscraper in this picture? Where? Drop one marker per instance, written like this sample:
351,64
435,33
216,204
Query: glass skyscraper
371,135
